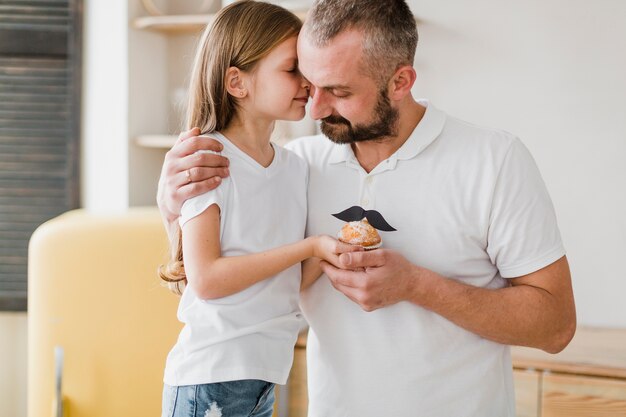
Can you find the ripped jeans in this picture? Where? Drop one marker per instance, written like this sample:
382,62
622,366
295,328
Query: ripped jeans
246,398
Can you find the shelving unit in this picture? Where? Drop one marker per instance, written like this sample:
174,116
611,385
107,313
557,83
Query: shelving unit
156,141
172,25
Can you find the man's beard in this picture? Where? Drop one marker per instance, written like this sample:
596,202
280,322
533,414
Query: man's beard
340,130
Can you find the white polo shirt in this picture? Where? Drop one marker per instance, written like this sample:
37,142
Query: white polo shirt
468,203
250,334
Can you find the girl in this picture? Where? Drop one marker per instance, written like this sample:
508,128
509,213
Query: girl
241,242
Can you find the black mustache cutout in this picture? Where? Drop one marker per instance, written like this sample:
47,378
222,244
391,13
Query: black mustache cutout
356,213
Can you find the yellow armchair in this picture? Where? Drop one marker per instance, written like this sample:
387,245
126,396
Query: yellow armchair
94,293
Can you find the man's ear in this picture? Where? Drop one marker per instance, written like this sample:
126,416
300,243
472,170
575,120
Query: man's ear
235,84
401,82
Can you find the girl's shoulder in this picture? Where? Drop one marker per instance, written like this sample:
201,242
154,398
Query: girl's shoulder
217,136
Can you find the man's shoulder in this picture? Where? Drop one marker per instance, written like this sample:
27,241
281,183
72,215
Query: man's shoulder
311,148
457,131
477,134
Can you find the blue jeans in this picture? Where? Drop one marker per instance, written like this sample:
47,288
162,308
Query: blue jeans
244,398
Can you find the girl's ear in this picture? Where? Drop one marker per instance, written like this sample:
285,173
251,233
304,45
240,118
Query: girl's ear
402,81
235,84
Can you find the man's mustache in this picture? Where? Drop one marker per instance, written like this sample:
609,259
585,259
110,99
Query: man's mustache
336,120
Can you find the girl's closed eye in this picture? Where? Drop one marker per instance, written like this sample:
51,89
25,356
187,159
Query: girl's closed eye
291,65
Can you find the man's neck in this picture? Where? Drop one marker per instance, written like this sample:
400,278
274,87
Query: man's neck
373,152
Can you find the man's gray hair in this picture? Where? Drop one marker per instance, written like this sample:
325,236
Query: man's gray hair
390,33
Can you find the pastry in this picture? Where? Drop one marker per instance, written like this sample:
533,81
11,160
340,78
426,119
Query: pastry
360,233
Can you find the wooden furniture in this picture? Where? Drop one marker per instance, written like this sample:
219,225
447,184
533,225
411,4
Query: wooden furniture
587,379
296,385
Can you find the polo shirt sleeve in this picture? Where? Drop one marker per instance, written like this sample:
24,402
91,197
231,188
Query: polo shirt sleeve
523,232
197,205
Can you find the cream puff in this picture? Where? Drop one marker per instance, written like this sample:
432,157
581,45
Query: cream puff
360,233
363,232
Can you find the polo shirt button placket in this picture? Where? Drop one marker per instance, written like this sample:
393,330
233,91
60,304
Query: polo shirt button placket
367,192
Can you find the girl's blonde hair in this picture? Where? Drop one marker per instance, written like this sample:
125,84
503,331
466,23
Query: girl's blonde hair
240,36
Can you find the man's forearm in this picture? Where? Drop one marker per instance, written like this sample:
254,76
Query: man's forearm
520,314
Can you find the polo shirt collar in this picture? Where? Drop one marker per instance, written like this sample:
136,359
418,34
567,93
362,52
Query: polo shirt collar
341,153
426,131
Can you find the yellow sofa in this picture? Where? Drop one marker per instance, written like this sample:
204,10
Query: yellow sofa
94,292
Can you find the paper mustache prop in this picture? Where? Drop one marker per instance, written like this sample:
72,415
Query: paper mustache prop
356,213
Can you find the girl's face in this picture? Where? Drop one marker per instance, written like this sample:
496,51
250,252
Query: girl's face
278,91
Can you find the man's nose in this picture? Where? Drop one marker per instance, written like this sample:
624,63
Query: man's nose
320,107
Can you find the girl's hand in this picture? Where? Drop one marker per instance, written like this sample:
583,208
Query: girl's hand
329,249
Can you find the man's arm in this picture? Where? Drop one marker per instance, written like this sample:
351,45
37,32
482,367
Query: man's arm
536,310
186,174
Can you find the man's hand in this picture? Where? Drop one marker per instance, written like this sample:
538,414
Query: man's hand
535,310
373,279
186,174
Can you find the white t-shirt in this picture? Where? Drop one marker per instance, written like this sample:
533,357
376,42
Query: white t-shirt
468,203
251,334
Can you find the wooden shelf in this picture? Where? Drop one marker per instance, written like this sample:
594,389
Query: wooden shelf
156,141
174,24
181,23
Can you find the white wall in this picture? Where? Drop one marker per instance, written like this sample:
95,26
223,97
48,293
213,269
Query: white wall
553,74
12,364
104,177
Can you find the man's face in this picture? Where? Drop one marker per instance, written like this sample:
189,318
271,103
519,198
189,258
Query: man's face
383,124
352,107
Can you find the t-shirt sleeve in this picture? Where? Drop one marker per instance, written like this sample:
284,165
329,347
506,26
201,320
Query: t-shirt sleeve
523,232
197,205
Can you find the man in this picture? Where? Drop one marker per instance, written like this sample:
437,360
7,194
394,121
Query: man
422,326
